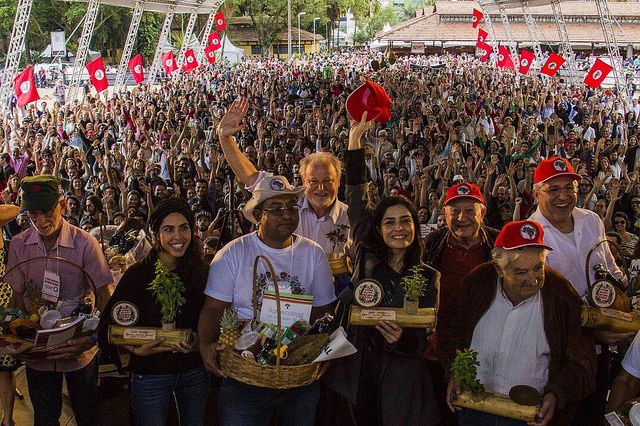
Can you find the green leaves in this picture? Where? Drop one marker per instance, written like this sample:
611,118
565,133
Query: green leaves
168,289
464,369
414,283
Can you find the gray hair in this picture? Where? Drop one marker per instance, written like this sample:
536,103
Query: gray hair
501,257
320,158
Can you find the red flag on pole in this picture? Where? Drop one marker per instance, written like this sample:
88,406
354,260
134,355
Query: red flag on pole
135,66
210,53
482,37
214,40
190,61
477,16
504,58
98,74
485,51
598,72
220,22
169,62
24,86
553,64
526,58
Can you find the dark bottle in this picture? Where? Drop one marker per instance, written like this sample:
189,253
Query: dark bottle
322,325
84,309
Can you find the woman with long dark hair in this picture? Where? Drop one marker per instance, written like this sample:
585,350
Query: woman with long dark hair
387,379
161,372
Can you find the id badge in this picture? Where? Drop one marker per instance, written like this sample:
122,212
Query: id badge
51,286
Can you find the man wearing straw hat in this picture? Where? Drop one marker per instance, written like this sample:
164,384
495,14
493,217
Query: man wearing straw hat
60,286
301,267
523,320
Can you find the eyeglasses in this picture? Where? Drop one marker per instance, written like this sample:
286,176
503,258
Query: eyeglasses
556,191
620,222
278,211
34,214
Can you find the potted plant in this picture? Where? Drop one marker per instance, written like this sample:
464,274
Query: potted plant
339,265
413,285
168,290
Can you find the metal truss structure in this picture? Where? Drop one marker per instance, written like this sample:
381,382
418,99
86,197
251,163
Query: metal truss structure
565,44
162,41
492,33
208,27
83,49
16,46
128,45
510,40
613,49
534,33
186,40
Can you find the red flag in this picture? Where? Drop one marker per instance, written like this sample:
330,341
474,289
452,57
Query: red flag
24,86
210,53
190,61
553,64
598,72
135,66
98,74
485,51
220,22
504,58
482,37
169,62
214,40
477,16
526,58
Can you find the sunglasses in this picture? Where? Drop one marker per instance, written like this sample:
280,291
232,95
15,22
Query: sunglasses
620,222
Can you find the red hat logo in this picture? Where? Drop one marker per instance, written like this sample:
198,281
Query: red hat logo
528,232
560,165
463,190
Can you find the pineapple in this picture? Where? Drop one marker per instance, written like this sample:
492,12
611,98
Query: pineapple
229,332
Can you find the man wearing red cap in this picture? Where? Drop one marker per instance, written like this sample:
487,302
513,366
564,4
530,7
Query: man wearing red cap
455,250
523,320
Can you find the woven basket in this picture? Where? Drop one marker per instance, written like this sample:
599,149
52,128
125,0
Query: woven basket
277,376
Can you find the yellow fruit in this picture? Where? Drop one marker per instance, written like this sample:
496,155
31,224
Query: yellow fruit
229,332
34,317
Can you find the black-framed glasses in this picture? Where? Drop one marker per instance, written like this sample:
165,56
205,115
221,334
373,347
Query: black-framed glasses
620,222
278,211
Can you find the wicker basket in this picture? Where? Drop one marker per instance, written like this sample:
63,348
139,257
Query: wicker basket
277,376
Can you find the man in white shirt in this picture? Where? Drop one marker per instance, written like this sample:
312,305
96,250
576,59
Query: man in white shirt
320,210
301,267
627,384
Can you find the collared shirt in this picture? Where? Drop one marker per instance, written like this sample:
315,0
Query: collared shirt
316,228
74,245
570,250
511,344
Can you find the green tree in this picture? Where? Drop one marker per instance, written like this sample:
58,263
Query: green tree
148,34
370,26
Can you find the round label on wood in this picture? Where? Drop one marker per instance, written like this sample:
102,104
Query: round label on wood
368,293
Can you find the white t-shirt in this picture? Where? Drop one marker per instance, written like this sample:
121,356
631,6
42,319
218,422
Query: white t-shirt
631,361
302,268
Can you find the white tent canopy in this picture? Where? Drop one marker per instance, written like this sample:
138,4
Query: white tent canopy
46,53
232,53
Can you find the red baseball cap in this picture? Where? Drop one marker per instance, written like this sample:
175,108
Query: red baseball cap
524,233
372,98
554,167
463,190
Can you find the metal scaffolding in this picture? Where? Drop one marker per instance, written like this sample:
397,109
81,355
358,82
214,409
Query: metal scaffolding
510,40
208,27
566,51
162,42
534,34
83,48
186,40
606,20
128,45
493,42
16,46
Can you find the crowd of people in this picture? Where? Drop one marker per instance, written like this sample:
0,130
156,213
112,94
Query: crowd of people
496,184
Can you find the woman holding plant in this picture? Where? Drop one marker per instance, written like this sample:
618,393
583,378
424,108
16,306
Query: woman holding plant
387,379
164,290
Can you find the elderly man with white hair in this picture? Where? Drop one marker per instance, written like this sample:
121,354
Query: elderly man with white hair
523,320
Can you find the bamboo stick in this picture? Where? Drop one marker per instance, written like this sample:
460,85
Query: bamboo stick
137,336
609,319
498,405
424,318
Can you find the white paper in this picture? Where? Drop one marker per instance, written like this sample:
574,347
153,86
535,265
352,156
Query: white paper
337,347
293,307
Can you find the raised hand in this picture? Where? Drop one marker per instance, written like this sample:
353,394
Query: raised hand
230,122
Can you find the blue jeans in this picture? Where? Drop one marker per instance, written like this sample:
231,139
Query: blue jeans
240,404
151,395
468,417
45,391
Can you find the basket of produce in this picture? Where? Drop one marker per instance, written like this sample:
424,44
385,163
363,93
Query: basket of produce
270,355
47,325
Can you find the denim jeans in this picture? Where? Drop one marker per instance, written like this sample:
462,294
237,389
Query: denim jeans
151,395
240,404
45,391
477,418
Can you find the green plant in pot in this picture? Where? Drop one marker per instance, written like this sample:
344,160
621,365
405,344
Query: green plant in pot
465,370
413,285
168,290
